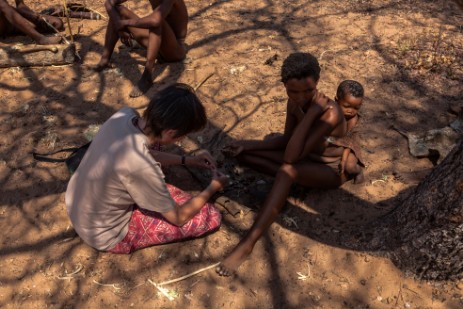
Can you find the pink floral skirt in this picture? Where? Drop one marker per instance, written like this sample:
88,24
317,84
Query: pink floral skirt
148,228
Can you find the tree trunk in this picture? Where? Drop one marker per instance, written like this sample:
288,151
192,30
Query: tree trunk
424,235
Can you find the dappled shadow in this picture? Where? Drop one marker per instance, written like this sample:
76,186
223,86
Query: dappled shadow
58,110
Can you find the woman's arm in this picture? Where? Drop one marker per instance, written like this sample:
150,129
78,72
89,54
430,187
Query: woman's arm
324,127
152,20
296,143
202,159
182,214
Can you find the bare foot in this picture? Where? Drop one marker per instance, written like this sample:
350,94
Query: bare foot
143,85
103,64
231,263
45,40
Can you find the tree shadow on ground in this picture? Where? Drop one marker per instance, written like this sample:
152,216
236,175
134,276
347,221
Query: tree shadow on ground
32,192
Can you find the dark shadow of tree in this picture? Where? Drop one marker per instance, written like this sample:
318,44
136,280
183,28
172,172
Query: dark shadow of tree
36,214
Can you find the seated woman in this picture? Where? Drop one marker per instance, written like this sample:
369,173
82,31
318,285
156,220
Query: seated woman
162,33
311,119
117,199
22,20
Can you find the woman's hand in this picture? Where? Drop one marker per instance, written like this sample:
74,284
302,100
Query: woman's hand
203,159
233,149
219,180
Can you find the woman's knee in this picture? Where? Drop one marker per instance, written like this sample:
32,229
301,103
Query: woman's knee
288,170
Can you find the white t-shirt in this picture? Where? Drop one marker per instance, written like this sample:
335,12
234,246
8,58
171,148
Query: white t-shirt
116,172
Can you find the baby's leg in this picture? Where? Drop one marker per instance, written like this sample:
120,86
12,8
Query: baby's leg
353,168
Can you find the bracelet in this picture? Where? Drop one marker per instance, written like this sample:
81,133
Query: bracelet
183,160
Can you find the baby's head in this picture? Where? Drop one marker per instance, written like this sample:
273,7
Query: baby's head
350,97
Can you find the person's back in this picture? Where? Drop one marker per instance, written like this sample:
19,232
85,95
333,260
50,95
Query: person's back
102,191
118,200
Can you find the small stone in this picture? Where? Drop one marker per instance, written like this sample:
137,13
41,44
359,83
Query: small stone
363,282
460,285
379,298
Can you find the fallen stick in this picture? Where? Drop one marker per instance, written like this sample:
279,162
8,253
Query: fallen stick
66,12
203,81
184,277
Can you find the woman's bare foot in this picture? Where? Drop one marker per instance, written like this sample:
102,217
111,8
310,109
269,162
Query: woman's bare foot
49,40
100,66
231,263
143,85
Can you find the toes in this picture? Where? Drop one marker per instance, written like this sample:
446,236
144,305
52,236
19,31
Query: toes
222,271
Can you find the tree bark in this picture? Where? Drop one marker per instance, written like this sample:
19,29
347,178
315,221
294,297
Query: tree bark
423,236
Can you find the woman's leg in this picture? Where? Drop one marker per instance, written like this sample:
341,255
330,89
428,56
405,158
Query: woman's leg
167,40
148,228
111,38
38,19
264,161
17,21
309,174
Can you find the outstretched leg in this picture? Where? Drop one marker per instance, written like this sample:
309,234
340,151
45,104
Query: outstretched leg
308,174
12,17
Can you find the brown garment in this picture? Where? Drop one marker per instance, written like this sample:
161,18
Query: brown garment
350,141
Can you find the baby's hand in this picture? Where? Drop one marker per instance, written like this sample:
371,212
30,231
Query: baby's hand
233,149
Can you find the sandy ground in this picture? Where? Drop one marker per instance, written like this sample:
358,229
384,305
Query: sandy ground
407,54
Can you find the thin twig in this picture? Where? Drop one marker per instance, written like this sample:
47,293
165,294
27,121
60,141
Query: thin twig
66,12
203,81
162,290
189,275
65,40
71,275
56,30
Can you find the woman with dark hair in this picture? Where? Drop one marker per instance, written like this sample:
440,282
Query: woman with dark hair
117,199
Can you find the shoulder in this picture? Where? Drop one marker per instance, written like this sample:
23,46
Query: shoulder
333,114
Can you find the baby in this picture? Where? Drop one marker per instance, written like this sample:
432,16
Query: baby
350,98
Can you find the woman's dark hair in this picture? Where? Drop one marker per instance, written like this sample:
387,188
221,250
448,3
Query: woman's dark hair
300,65
176,107
351,87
